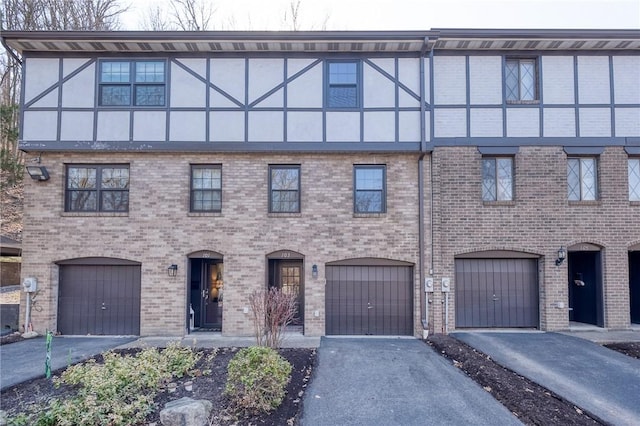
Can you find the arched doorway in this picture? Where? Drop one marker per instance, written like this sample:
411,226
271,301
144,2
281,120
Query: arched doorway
585,284
205,291
285,271
634,283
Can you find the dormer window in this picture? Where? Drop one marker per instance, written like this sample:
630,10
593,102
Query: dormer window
132,83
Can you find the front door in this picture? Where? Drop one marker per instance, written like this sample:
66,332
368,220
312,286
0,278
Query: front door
634,285
206,294
288,277
585,287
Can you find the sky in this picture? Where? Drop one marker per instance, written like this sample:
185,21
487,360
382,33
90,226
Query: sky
414,14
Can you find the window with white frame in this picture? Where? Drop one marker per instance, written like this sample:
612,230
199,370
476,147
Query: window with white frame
497,179
634,179
137,83
520,80
582,178
343,81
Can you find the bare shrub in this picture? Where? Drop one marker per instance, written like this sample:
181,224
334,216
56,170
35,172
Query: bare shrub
272,310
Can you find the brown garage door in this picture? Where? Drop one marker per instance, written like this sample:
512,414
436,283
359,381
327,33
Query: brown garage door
496,293
369,300
99,299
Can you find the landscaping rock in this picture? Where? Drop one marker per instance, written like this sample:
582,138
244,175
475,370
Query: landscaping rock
186,412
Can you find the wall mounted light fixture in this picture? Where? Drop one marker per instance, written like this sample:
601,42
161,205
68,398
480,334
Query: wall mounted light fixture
38,173
314,271
172,270
562,255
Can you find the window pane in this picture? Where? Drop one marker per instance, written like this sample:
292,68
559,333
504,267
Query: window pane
343,73
150,72
505,179
369,178
368,202
489,179
150,95
511,80
207,200
573,179
115,95
527,80
114,72
81,177
207,178
83,201
284,179
588,176
343,97
634,179
115,201
284,201
116,178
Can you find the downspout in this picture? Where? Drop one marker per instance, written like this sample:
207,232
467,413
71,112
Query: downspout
9,50
424,308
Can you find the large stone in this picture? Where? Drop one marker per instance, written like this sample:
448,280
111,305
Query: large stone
186,412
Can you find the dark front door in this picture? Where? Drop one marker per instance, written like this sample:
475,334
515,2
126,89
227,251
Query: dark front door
287,276
206,293
585,287
634,285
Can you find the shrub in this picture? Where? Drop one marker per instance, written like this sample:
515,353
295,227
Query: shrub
272,310
256,380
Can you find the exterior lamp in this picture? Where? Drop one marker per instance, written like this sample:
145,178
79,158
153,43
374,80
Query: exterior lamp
38,173
172,270
562,255
314,271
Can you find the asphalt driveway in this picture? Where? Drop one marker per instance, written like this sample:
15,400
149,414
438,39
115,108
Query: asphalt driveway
365,381
22,361
602,381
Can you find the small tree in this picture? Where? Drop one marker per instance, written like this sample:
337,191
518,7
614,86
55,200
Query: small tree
272,310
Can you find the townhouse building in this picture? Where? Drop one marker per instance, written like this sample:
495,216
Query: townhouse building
398,183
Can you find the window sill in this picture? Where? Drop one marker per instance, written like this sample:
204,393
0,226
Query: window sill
586,203
499,203
204,214
634,203
514,102
94,214
369,215
280,215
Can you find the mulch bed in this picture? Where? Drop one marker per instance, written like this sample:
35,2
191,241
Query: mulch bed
11,338
208,386
628,348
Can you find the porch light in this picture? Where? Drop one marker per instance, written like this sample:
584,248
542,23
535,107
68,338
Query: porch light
562,255
314,271
172,270
38,173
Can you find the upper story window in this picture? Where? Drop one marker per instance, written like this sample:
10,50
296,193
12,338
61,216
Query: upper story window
206,188
97,188
137,83
370,189
521,80
497,179
634,179
284,189
582,178
343,84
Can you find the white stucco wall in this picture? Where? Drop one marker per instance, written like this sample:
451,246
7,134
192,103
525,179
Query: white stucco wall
409,126
485,80
523,122
306,90
40,125
266,126
557,82
304,126
228,75
226,126
626,79
379,126
40,74
450,85
593,80
76,126
113,126
378,90
486,122
595,122
264,75
187,126
187,90
450,122
149,125
627,122
559,122
80,90
343,126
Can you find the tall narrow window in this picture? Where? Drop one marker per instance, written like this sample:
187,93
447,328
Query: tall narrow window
92,188
343,82
206,188
582,178
284,189
497,179
520,80
126,83
634,179
369,189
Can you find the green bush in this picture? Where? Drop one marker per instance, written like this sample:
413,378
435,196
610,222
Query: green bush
256,380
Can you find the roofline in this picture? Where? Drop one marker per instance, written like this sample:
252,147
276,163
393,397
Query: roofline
538,33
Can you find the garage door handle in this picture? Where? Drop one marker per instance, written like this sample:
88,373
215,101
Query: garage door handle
369,306
495,299
103,307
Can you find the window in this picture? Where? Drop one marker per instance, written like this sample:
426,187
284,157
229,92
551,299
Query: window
497,179
206,188
284,189
343,83
520,80
582,177
369,189
138,83
93,188
634,179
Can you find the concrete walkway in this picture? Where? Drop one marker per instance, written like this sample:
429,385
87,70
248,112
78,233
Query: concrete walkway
217,340
373,381
22,361
602,381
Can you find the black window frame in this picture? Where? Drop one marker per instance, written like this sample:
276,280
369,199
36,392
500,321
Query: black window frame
383,190
629,160
99,190
536,79
495,159
193,190
298,169
328,85
132,84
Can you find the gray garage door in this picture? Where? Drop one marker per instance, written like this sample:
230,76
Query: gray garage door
496,293
369,300
99,300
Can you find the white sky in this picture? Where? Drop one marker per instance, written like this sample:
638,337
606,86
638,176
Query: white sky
415,14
